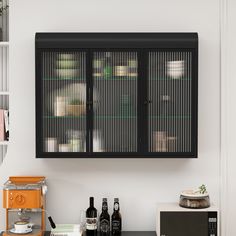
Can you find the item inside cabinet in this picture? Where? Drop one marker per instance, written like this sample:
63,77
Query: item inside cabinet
163,143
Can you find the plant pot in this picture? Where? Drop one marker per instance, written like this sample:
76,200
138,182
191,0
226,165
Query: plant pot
76,110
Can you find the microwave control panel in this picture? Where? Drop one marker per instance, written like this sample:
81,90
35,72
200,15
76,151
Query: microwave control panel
212,223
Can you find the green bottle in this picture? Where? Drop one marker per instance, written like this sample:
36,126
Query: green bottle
107,70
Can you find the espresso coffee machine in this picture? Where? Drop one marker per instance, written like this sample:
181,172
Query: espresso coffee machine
24,201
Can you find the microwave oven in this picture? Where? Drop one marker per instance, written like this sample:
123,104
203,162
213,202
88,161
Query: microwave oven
173,220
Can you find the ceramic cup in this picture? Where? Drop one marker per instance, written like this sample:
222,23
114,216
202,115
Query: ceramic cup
175,69
66,73
21,226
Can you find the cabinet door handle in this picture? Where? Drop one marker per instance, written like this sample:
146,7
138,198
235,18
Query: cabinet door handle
146,102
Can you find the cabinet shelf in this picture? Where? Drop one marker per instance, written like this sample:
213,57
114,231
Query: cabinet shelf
4,44
171,117
64,79
121,79
64,117
95,79
120,117
4,142
95,117
116,79
4,93
135,79
170,79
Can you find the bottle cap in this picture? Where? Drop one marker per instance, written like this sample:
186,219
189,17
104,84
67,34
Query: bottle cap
104,199
116,199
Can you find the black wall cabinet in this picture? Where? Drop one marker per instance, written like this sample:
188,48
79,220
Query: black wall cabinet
116,95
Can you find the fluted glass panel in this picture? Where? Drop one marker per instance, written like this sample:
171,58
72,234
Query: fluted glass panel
115,78
64,101
169,91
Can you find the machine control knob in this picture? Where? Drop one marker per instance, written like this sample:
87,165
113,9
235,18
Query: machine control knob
20,199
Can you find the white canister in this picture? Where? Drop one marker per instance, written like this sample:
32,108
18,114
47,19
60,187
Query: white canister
64,147
160,141
76,145
60,106
51,145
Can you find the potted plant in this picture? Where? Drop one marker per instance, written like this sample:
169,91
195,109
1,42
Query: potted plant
76,107
2,9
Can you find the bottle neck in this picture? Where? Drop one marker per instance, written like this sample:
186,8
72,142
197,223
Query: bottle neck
91,202
104,207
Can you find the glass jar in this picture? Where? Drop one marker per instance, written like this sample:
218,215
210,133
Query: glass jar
194,202
76,140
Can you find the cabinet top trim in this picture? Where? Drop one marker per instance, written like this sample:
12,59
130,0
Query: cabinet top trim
116,40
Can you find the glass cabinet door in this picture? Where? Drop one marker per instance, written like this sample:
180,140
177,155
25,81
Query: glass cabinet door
93,103
63,81
115,81
170,97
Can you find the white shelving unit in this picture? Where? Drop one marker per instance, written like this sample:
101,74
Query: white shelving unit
4,44
4,93
4,67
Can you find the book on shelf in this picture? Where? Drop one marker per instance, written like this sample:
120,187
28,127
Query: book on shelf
6,119
4,125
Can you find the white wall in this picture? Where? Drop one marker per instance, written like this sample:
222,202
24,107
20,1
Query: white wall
140,183
229,117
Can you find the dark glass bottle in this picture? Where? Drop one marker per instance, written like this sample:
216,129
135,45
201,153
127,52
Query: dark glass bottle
104,219
91,218
116,223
